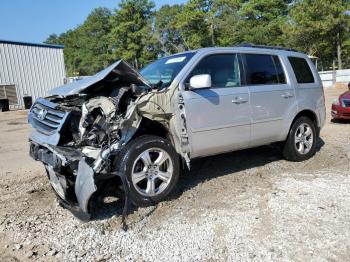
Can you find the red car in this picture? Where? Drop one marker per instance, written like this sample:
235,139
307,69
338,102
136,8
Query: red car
341,107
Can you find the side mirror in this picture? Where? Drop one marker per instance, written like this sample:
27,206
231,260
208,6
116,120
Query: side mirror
200,81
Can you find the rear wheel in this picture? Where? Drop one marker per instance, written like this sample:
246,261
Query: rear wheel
301,141
151,165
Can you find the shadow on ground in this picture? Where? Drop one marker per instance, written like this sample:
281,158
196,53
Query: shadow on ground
340,121
206,169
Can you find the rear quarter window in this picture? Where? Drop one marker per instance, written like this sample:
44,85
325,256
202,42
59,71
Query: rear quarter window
301,70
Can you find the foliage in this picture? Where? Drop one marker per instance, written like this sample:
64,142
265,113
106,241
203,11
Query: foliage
318,26
167,32
227,27
138,33
86,47
262,21
129,31
194,24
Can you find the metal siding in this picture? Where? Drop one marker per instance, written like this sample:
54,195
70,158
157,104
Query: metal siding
27,72
33,69
52,66
36,60
17,68
61,63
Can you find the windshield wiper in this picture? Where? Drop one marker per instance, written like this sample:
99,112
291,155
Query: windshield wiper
157,85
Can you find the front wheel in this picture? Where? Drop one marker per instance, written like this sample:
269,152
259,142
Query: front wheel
151,165
301,141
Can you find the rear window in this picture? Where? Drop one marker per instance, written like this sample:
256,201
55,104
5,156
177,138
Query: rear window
263,69
301,70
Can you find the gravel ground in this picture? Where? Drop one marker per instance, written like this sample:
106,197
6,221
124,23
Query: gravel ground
247,205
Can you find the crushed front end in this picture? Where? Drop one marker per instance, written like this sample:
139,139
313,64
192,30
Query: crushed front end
80,127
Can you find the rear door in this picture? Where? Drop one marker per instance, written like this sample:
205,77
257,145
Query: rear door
218,118
272,97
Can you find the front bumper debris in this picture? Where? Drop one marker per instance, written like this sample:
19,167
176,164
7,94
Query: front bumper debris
76,201
75,210
84,185
76,197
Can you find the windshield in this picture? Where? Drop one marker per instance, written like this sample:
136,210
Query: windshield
163,71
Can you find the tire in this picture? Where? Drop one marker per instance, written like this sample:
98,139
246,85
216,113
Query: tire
297,146
59,190
151,166
60,185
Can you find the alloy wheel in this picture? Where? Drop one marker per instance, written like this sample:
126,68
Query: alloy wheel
303,138
152,172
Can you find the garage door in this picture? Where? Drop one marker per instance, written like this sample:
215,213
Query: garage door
9,92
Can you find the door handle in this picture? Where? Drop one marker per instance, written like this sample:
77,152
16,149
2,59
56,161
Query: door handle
239,100
287,95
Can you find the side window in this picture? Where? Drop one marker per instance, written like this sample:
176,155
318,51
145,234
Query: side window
261,69
223,69
301,70
280,73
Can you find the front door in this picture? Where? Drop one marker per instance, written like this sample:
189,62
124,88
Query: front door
218,118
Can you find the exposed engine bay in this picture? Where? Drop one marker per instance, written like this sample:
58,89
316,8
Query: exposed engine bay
82,126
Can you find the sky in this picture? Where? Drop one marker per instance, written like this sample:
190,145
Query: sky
34,20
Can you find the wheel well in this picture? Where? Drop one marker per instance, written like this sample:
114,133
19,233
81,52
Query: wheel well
309,114
150,127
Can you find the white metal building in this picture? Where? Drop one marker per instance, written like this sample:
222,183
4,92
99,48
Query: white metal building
329,78
28,69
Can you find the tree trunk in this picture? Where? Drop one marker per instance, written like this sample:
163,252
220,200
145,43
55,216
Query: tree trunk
334,74
136,63
212,33
339,51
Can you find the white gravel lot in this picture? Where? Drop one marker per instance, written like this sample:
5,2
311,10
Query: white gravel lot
242,206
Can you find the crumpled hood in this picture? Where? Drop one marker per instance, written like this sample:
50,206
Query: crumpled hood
118,71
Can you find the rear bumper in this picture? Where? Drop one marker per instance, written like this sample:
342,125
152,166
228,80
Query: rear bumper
339,112
321,117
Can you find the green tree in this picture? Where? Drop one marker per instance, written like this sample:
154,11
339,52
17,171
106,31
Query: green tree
229,22
72,52
226,22
53,39
346,52
262,21
151,47
195,24
320,28
86,47
93,41
129,31
136,32
166,31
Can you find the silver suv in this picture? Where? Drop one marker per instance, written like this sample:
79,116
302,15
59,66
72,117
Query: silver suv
124,131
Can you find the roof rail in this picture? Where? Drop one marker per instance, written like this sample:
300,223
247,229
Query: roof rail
266,47
30,44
